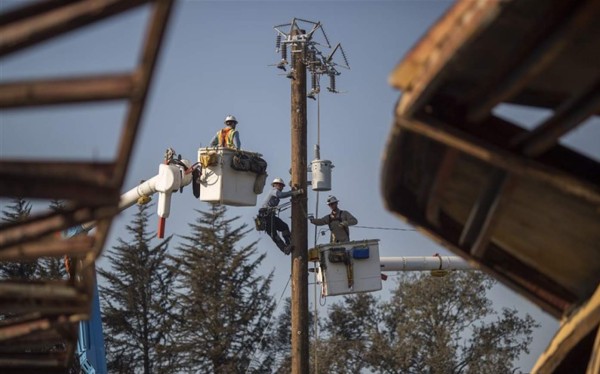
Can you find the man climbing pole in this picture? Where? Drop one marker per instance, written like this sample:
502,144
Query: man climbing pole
227,136
338,221
268,214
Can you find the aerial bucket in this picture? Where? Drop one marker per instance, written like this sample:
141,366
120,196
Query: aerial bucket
348,268
230,176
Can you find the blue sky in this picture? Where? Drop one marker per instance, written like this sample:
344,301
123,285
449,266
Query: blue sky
216,61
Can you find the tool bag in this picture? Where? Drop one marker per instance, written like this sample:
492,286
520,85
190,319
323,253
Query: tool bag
209,159
338,255
242,161
260,223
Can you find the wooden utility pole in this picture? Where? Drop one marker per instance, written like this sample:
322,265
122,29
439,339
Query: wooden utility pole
300,352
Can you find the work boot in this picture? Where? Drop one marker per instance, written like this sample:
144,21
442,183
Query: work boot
288,249
280,244
287,236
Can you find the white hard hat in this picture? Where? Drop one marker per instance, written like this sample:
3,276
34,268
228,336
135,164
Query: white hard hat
332,199
278,180
230,118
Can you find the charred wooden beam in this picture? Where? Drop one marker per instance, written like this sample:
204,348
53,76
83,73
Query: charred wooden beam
543,54
76,246
501,158
484,214
41,226
568,116
562,354
31,25
442,175
71,90
145,70
81,182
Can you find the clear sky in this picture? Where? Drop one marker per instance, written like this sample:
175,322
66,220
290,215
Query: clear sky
216,61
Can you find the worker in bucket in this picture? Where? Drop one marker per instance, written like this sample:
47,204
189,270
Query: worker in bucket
338,221
228,136
268,214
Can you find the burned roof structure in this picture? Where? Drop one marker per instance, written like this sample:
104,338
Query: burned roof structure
38,331
508,196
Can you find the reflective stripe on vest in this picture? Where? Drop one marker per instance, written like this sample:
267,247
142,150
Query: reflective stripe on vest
226,137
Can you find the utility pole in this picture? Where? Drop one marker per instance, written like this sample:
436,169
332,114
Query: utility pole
304,55
300,352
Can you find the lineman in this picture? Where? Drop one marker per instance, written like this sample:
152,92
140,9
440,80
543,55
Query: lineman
338,221
274,224
228,136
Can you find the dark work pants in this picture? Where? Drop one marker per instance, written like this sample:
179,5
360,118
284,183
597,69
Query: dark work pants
274,226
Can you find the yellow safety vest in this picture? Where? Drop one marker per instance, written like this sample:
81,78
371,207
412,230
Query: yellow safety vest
226,137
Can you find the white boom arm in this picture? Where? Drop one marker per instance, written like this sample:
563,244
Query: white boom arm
421,263
172,175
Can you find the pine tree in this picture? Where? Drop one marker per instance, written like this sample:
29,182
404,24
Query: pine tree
348,328
17,212
138,303
225,306
52,267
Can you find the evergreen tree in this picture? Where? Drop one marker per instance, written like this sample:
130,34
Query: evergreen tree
225,306
138,303
445,325
282,340
347,330
52,267
18,211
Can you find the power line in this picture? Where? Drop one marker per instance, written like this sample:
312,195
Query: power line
383,228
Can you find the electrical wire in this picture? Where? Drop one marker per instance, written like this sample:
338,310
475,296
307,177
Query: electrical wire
315,300
383,228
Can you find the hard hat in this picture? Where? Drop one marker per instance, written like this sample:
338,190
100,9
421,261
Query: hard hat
331,199
278,180
231,118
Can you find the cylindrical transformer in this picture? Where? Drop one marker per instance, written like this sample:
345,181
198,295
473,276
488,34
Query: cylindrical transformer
321,175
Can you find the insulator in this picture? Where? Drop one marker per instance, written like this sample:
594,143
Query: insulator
277,42
311,56
284,51
332,82
314,82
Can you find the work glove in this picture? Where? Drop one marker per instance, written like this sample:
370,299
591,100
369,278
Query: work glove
297,192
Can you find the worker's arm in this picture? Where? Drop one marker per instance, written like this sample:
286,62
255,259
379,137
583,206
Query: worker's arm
348,219
320,221
215,140
236,139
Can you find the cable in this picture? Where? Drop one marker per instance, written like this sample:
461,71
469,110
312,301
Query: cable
383,228
317,155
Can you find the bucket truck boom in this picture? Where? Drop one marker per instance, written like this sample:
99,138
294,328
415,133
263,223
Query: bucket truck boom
173,174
